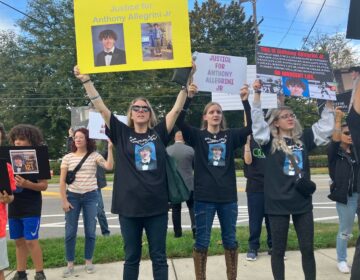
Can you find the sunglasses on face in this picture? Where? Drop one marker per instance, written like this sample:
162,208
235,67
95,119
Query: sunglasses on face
137,108
347,133
287,116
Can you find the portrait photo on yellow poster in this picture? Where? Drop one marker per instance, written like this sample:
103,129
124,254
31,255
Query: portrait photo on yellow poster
114,36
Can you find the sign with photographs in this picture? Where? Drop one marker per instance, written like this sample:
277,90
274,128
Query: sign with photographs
295,73
24,161
342,102
220,73
232,102
131,35
28,162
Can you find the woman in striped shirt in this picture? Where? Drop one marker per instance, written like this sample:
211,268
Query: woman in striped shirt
81,194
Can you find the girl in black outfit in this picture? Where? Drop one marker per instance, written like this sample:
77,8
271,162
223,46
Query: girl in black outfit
215,181
281,137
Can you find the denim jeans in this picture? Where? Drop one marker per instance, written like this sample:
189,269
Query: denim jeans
346,214
204,217
101,215
256,210
155,229
88,203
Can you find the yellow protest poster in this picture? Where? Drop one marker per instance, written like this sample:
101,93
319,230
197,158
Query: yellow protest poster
127,35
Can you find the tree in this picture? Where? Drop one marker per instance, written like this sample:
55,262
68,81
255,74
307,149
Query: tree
341,53
37,85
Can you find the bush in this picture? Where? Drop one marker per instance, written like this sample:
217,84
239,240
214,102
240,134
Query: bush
55,166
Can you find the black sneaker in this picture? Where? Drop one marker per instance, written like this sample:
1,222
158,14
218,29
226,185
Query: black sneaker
39,276
251,255
177,234
17,277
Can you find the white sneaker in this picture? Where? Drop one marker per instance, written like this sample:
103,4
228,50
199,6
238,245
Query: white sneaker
343,267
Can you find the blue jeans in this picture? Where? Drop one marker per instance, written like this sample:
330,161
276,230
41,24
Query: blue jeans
256,210
88,203
204,217
101,215
346,214
155,229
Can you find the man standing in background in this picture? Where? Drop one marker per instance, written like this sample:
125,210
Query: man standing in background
184,156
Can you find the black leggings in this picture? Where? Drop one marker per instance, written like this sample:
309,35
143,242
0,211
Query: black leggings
304,227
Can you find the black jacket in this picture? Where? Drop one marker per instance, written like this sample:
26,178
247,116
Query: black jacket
343,171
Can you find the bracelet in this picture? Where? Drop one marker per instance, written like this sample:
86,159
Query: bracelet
94,97
184,88
258,91
84,82
247,151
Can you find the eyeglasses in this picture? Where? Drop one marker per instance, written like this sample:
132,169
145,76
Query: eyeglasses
137,108
287,116
347,133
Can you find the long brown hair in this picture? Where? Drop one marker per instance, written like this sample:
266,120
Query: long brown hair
204,123
90,143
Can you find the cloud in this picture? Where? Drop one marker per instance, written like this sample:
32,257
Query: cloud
6,24
334,12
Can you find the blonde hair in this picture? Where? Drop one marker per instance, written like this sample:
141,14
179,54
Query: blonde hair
278,142
152,120
204,123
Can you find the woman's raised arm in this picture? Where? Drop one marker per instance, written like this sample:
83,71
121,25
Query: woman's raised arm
93,95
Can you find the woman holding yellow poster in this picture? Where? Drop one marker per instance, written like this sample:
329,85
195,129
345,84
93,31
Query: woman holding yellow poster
140,195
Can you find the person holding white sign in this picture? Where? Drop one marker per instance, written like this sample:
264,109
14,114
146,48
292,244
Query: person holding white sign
140,195
285,144
215,181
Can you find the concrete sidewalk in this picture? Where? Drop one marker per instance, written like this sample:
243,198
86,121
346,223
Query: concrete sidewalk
183,269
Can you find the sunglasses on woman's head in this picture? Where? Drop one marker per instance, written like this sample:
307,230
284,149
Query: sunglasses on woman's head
346,133
137,108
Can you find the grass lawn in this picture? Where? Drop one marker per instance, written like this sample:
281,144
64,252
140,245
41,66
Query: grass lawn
110,249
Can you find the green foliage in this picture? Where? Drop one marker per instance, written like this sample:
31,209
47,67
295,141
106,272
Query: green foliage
37,85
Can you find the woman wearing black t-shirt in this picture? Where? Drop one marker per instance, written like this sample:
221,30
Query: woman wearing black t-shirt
282,137
140,196
215,181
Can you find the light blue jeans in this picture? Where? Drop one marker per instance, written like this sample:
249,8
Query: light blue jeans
346,213
86,202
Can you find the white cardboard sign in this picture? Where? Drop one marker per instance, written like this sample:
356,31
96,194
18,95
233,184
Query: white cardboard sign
97,125
232,102
220,73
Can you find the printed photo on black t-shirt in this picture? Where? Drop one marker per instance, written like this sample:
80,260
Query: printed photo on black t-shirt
217,154
145,157
289,169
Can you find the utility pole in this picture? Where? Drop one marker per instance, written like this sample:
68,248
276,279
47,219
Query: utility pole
254,19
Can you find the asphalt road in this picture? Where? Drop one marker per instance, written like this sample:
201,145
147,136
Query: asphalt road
52,222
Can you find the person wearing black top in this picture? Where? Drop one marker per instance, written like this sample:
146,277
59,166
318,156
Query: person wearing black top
140,197
254,164
282,137
215,184
343,171
353,121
